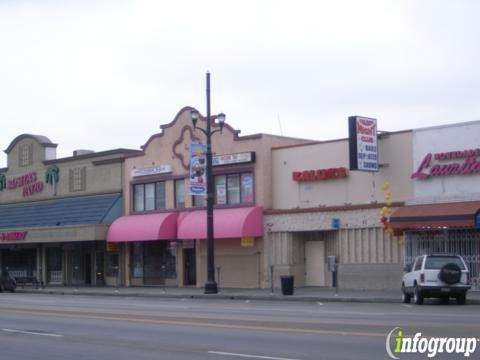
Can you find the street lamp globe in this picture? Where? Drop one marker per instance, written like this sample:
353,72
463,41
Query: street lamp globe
194,114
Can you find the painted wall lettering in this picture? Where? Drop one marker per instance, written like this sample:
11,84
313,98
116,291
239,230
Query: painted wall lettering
13,235
428,168
317,175
22,180
29,182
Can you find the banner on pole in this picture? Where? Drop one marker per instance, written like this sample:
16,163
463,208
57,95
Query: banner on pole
198,169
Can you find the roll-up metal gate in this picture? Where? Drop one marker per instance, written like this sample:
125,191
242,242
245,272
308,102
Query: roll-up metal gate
462,242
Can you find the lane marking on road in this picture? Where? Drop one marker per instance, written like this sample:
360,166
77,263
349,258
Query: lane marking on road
32,333
199,323
249,356
319,303
247,301
407,306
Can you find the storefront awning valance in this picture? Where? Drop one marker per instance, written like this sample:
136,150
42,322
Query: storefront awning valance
162,226
227,223
435,216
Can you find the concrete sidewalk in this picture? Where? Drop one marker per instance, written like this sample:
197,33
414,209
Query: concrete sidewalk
306,294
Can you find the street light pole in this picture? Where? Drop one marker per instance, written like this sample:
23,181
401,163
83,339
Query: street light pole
210,284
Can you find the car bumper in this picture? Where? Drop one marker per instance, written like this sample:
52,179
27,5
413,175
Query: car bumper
439,291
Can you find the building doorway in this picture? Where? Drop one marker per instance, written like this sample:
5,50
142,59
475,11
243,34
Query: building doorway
315,263
99,268
54,265
190,267
88,269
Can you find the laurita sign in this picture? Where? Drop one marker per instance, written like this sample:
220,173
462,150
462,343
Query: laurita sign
448,163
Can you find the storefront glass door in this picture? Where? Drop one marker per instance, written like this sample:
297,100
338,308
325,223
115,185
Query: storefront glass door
54,266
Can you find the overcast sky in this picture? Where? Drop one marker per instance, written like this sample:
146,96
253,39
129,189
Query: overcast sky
106,74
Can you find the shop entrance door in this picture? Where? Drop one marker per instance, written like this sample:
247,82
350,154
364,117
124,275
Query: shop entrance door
54,266
99,268
315,263
76,259
88,269
190,268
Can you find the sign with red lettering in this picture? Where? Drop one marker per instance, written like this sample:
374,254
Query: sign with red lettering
363,147
29,182
467,165
13,235
318,175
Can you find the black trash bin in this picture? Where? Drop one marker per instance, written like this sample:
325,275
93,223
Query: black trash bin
287,285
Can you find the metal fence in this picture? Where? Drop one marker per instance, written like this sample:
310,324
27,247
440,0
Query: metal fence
462,242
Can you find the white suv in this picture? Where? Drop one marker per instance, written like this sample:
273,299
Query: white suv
441,276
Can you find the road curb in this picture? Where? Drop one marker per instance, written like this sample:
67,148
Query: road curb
220,296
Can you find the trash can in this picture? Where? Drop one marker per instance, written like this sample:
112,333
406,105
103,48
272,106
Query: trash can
287,285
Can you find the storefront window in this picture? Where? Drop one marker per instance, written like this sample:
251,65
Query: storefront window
234,189
220,189
247,188
154,261
179,194
139,197
160,195
149,196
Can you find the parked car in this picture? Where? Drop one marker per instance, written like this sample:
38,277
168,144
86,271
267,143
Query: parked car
439,275
7,283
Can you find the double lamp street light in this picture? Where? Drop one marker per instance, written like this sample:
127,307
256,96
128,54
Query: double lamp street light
210,284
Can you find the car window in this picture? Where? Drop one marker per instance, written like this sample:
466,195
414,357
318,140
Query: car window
437,262
418,264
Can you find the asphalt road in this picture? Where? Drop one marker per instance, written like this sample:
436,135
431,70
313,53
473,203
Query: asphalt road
82,327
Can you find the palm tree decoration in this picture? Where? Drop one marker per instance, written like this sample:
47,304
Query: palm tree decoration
3,182
52,177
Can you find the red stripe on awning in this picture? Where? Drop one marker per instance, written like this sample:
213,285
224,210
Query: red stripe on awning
162,226
435,216
227,223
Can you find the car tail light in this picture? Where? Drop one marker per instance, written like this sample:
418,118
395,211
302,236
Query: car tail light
422,278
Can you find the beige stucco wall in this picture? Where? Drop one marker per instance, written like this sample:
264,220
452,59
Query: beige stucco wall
103,177
395,155
160,150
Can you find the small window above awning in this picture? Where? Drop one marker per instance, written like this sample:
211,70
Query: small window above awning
227,223
162,226
435,216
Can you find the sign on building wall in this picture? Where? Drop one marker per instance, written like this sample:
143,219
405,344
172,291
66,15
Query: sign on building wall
446,162
198,166
13,235
229,159
462,162
29,183
319,175
363,147
152,170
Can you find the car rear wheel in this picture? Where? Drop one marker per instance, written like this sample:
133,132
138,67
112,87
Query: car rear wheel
417,296
462,299
405,297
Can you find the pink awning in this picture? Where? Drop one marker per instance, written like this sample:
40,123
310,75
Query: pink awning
227,223
162,226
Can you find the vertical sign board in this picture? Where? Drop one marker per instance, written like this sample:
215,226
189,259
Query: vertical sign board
363,147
